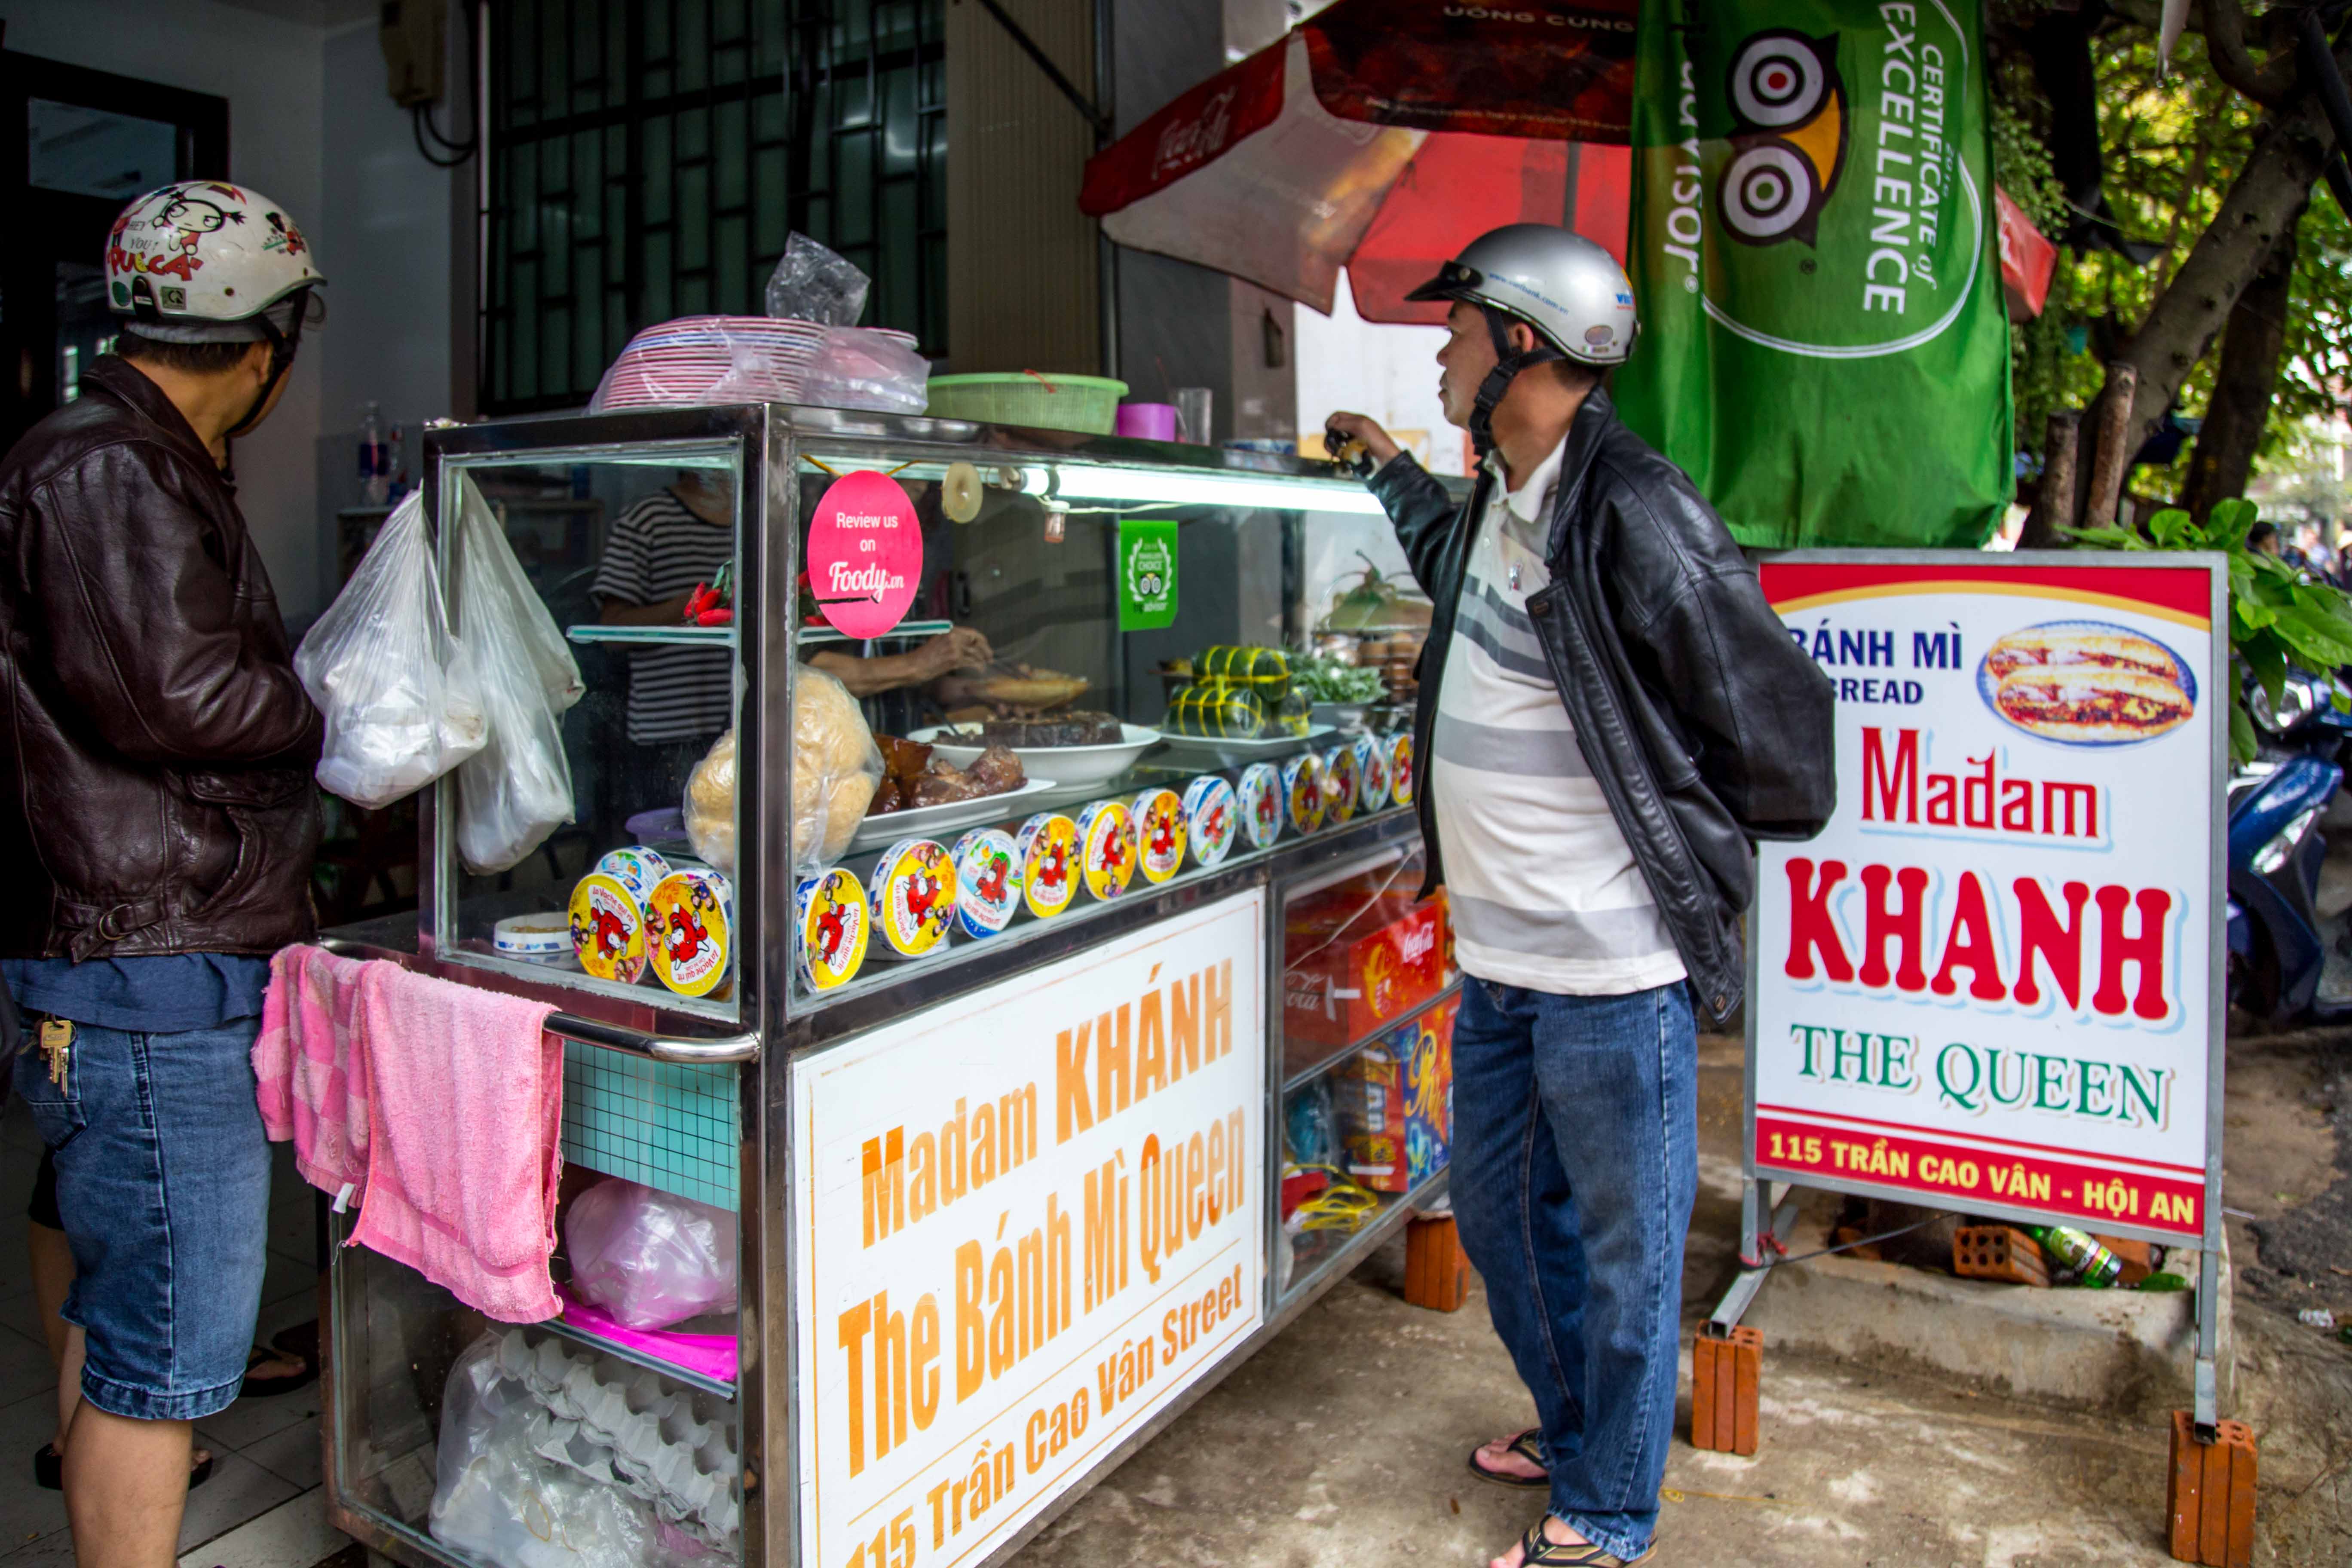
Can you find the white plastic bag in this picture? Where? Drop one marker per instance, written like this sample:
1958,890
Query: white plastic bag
709,809
865,367
401,695
499,1496
649,1258
518,789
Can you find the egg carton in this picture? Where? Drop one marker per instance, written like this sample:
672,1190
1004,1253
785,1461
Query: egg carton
617,1425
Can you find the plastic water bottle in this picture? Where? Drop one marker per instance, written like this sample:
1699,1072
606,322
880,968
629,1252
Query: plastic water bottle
2098,1268
375,460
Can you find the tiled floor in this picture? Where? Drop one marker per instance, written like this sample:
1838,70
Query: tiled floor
266,1451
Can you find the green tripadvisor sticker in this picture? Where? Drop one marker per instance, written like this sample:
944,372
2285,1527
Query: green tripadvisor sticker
1146,573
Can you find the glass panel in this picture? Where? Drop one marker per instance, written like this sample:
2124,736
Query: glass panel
1369,995
95,151
614,547
1086,710
443,1418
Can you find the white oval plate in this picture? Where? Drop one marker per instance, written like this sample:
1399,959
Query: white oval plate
1075,766
936,821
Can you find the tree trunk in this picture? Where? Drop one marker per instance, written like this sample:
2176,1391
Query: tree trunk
2251,346
2262,204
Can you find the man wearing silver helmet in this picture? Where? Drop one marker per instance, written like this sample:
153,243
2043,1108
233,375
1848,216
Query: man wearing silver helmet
1612,713
158,812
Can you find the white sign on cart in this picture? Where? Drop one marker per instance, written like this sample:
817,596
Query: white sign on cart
1025,1221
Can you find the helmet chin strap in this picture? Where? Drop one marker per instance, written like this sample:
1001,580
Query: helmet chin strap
281,358
1508,362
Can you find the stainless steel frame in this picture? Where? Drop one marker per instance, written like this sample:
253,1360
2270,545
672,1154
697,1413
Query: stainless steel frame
773,1025
1757,1213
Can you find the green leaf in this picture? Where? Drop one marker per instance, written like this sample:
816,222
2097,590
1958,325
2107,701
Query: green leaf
2241,733
2108,534
2229,521
2170,528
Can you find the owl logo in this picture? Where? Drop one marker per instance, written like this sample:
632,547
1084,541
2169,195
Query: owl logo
1788,146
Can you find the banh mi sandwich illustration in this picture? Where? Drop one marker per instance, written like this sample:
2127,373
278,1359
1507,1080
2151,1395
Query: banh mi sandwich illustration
2092,702
2048,647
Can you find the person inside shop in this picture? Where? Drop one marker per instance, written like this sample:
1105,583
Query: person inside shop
1592,835
161,818
660,550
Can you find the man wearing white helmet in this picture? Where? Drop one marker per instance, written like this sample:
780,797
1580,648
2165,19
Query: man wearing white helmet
1611,713
159,818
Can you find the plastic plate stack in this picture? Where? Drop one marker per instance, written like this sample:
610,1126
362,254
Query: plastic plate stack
711,359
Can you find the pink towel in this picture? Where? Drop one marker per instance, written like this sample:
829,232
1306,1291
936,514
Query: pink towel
313,1083
465,1122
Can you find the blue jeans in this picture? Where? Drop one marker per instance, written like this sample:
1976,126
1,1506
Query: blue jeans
164,1185
1575,1163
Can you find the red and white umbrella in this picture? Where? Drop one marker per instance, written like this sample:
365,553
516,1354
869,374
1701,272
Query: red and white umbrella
1382,136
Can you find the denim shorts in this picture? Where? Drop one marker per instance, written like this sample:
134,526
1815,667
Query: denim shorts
164,1186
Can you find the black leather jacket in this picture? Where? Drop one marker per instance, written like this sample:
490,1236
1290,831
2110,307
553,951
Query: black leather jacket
155,794
1705,726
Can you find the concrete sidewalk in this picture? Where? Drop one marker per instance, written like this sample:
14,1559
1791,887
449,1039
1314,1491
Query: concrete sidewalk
1343,1443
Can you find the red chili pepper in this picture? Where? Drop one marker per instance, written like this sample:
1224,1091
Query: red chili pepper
702,599
720,618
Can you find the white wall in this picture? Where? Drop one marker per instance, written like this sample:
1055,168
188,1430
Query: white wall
1371,367
269,68
383,231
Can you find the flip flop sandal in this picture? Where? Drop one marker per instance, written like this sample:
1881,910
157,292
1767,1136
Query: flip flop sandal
282,1383
1538,1549
50,1469
1525,1446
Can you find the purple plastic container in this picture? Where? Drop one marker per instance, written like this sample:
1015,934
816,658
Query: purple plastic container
1147,421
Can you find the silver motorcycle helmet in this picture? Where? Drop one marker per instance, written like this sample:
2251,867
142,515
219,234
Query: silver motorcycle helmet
1568,290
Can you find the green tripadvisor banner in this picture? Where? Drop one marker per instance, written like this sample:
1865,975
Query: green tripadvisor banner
1824,343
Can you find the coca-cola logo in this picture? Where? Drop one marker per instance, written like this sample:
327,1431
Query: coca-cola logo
1185,142
1416,944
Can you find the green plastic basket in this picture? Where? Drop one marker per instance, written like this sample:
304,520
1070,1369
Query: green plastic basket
1088,402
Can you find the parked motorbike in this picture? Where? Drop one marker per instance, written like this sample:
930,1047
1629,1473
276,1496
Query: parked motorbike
2290,941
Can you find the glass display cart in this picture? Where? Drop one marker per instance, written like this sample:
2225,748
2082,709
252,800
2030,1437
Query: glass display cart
1029,1105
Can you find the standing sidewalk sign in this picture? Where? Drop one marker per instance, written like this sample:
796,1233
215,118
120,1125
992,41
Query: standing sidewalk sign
1993,982
1007,1258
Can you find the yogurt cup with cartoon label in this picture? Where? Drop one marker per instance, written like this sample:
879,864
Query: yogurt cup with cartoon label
1371,773
1212,814
835,925
1400,767
638,868
608,929
1339,766
913,895
1048,845
988,881
1302,791
1107,849
690,931
1159,834
1258,801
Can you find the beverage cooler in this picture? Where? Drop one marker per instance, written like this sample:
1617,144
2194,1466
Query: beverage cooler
963,1067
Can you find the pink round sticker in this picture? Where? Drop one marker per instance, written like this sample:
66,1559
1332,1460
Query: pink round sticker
864,553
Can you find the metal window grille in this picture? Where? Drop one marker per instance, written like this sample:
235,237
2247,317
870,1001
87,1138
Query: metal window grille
647,158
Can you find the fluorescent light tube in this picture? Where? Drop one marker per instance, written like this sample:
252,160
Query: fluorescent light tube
1167,487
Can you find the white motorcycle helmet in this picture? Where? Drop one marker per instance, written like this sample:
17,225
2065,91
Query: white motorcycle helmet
207,262
1567,289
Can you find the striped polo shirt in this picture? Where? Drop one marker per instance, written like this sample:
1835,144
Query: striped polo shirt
1541,886
656,551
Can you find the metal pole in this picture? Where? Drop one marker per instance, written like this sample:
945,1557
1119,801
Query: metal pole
2209,1285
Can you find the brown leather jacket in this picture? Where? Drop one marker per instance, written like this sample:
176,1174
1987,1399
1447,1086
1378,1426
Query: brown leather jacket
156,793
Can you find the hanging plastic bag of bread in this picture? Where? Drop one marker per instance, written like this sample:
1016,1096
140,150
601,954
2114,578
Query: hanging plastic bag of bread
711,805
836,768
